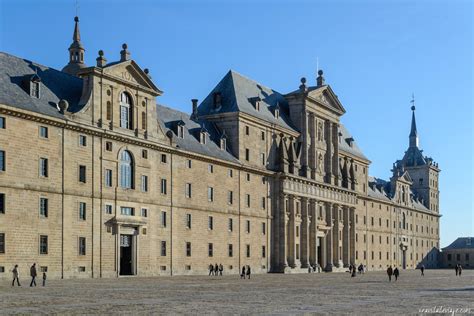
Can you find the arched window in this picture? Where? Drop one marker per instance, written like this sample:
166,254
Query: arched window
126,111
126,170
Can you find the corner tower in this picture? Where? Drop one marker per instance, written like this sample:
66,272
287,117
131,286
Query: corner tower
423,170
76,52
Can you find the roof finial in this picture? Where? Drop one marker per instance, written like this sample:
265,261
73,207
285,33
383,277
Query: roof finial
413,132
320,79
412,102
76,51
124,53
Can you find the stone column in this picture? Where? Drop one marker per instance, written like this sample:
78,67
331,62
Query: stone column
284,218
291,233
313,239
352,233
346,245
336,242
329,151
329,238
305,232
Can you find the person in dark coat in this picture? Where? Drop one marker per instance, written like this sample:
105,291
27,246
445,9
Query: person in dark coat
248,271
353,274
16,275
33,274
389,273
44,278
221,268
422,268
396,273
211,269
460,270
216,270
457,269
242,275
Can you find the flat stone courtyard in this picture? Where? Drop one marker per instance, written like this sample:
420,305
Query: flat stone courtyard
275,294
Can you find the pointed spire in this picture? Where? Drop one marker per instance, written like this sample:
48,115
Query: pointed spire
413,132
76,51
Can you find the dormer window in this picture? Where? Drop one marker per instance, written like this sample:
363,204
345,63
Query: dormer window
277,113
223,143
34,86
180,131
350,141
217,99
203,136
256,102
257,105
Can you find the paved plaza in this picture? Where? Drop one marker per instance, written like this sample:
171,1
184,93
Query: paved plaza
274,294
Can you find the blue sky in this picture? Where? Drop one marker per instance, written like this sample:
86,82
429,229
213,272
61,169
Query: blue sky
375,54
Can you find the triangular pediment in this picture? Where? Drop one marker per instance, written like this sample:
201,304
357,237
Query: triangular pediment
405,177
326,97
130,72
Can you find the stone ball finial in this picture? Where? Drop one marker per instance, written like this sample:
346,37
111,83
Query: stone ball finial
101,53
146,70
76,19
320,72
303,80
413,108
124,46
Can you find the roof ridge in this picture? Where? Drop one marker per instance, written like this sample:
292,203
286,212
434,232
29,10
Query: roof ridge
232,72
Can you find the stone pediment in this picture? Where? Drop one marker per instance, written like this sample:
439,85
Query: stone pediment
326,97
130,72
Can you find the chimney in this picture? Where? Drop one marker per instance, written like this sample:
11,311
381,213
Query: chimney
124,53
320,79
195,108
101,61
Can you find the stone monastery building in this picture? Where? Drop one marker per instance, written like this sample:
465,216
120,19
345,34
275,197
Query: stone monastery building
97,179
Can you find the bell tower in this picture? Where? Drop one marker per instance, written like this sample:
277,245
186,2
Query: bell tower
76,52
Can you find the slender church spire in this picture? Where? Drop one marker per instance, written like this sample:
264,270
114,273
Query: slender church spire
413,133
76,52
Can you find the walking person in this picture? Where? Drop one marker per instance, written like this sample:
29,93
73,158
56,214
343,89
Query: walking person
44,278
389,273
422,268
216,270
457,269
460,270
33,274
242,275
248,271
211,269
396,273
353,272
16,275
221,268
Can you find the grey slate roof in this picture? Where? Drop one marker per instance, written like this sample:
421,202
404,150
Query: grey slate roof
461,243
168,118
344,144
237,91
55,85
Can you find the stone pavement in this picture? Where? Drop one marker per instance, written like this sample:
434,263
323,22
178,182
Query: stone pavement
274,294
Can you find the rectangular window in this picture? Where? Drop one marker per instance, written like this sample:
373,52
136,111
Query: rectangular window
231,173
247,154
43,207
247,226
144,183
210,194
108,208
188,249
108,146
247,250
263,135
144,154
247,200
210,168
82,140
82,246
230,197
2,242
248,176
210,249
144,212
188,190
264,252
163,219
2,160
163,158
188,221
231,224
82,174
264,229
82,211
163,186
247,130
163,248
108,178
262,159
43,245
189,163
210,223
43,167
3,124
263,203
43,132
2,203
128,211
231,250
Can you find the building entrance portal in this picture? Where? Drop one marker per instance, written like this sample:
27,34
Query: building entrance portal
126,255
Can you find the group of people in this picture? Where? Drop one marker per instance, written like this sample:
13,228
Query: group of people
395,272
245,272
458,269
216,269
33,274
314,268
